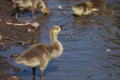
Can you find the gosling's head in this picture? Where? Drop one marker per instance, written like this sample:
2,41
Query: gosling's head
45,10
55,30
90,4
74,8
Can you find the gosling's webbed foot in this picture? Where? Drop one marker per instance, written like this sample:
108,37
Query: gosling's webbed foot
33,77
43,78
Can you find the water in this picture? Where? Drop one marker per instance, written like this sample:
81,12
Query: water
91,45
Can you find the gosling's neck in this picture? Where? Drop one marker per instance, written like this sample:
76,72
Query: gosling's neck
56,45
55,42
54,39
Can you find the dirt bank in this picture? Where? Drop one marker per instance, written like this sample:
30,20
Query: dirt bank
12,35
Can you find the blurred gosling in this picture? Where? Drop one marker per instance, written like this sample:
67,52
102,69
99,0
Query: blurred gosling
83,8
39,55
32,5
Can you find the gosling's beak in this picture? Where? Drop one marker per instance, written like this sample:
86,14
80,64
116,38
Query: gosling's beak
46,13
62,26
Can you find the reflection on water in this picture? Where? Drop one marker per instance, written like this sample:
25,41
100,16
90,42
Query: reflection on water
83,21
92,53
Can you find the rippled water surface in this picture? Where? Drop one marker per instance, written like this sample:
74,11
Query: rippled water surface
91,44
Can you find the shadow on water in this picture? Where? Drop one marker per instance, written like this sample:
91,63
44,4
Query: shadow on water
92,53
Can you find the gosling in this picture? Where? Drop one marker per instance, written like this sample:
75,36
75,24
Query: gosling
32,5
39,55
82,8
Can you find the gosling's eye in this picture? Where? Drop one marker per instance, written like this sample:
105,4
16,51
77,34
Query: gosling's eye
57,28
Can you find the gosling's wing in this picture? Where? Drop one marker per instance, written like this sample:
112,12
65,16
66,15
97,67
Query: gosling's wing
37,50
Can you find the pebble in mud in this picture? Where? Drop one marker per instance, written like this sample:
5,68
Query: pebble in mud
3,46
15,55
14,78
16,69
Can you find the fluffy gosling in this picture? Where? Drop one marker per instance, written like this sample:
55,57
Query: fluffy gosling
39,55
32,5
82,8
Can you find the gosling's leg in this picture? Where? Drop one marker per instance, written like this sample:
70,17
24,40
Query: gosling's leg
33,74
42,75
42,68
32,9
17,11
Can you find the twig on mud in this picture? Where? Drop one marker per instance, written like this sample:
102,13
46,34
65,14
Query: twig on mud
7,38
18,24
34,24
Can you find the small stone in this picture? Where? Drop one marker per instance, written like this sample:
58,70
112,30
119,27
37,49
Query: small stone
15,78
35,24
108,50
60,7
29,30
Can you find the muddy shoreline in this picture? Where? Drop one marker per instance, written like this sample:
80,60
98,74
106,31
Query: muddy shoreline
12,36
5,9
